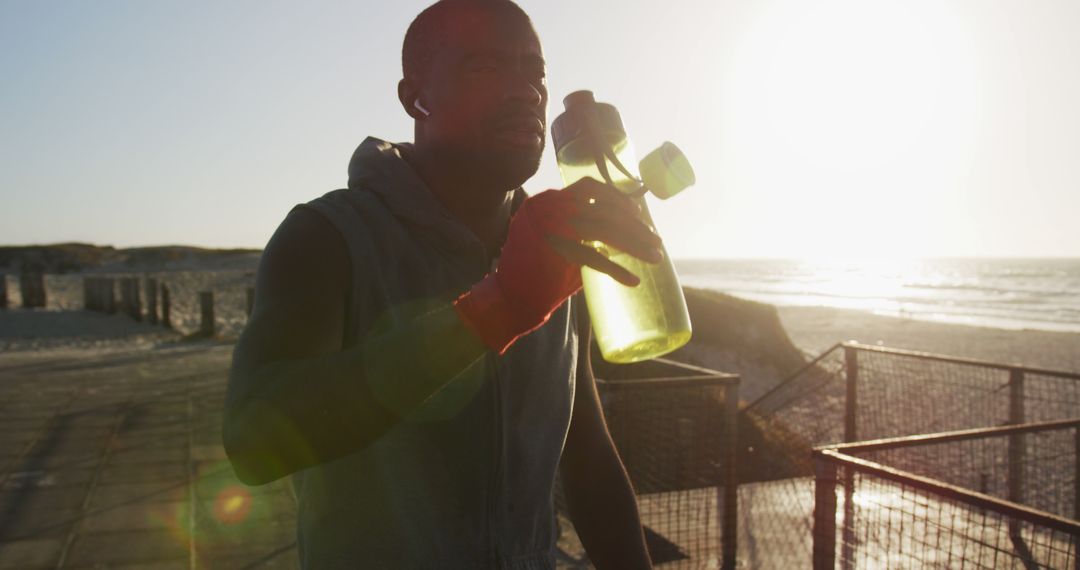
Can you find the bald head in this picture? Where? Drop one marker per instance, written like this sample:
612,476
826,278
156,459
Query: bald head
428,30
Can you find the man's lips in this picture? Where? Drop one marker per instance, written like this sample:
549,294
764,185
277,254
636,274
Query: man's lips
522,131
523,125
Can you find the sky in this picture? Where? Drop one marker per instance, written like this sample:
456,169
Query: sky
817,128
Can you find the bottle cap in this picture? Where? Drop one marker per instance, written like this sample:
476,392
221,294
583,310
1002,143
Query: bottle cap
666,171
571,123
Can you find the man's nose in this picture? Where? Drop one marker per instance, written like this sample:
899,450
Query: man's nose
521,88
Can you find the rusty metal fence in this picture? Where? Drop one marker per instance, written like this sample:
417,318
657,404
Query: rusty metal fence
675,431
858,392
950,500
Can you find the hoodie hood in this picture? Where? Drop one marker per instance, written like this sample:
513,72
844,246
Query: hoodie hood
379,166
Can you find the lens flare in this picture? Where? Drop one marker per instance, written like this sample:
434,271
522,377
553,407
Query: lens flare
232,504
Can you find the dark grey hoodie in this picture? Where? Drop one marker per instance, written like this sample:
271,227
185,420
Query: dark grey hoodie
466,480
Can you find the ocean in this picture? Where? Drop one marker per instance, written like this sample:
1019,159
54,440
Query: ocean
1030,293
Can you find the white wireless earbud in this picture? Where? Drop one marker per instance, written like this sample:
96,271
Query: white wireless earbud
419,107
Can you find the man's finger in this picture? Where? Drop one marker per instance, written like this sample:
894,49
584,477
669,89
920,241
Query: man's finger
626,234
581,254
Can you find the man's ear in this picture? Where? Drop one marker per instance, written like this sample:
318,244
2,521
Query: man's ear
407,96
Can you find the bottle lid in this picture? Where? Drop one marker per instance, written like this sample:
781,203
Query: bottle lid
666,171
571,123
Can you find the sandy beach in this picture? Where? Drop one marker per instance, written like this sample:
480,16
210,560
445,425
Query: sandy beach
815,329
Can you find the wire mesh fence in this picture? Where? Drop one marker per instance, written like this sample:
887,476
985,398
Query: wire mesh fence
676,437
858,392
950,500
1043,476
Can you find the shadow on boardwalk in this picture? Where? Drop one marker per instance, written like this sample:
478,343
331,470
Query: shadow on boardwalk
113,459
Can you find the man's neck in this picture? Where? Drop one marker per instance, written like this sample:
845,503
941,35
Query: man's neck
483,209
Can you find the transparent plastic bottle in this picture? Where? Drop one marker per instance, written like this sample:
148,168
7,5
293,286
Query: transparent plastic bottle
631,324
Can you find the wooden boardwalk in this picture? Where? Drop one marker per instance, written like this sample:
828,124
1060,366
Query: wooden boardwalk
111,457
114,460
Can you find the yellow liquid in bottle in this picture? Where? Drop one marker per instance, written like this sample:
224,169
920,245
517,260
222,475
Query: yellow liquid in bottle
631,324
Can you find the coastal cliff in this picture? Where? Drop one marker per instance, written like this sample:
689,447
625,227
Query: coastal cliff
730,335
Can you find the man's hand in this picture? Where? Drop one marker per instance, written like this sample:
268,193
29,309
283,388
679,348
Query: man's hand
605,214
540,263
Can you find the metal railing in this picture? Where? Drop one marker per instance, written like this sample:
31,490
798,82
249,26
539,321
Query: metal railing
855,391
946,500
675,431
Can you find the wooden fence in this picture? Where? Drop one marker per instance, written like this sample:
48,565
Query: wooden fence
141,299
32,287
100,294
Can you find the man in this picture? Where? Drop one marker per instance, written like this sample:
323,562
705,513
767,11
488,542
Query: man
412,359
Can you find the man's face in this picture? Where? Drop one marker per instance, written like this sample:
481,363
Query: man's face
487,94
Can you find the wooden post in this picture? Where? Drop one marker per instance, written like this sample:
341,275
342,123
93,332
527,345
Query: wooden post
108,295
847,532
206,306
126,302
1016,441
151,301
250,298
1076,480
3,291
1015,471
125,296
87,295
32,287
136,299
97,294
165,307
729,531
851,368
851,431
824,514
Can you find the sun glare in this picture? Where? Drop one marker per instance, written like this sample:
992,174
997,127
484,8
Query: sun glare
855,123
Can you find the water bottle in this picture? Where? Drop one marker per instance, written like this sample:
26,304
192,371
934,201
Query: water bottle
631,324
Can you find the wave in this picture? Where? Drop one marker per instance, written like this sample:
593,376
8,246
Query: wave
1036,299
1004,293
1050,292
